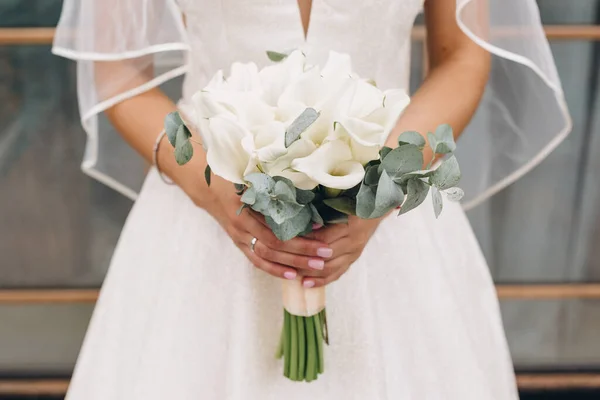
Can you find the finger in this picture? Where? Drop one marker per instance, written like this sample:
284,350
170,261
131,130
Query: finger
276,270
259,217
298,245
330,233
342,247
333,270
289,259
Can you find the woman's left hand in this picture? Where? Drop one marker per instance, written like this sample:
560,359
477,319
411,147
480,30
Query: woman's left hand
347,242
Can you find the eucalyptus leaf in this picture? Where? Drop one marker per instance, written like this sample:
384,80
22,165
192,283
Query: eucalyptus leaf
402,160
454,194
262,183
345,205
384,151
316,217
432,141
239,188
304,196
300,124
183,147
292,227
262,201
411,137
282,211
371,175
365,201
207,173
417,192
172,123
444,139
284,193
388,196
438,203
276,56
249,196
446,175
423,173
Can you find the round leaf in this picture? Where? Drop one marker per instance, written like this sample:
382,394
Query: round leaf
411,137
417,192
172,123
402,160
454,194
446,175
437,201
183,147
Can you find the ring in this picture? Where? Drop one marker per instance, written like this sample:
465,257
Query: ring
253,243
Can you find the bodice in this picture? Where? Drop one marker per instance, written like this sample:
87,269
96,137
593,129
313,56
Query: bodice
376,33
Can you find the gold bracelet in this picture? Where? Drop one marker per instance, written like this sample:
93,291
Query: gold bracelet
159,139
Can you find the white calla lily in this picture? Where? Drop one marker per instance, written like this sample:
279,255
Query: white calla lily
282,166
369,131
276,78
245,106
228,154
269,141
332,166
244,77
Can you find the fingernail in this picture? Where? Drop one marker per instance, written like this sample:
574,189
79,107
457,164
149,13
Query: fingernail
316,264
289,275
316,226
324,252
309,284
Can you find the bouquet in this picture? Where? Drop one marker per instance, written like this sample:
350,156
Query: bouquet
303,145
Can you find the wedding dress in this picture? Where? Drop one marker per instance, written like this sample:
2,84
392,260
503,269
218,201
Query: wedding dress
182,313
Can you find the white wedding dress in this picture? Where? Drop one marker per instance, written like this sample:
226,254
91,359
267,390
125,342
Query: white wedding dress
183,315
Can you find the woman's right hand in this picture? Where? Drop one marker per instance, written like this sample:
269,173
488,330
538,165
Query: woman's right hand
281,259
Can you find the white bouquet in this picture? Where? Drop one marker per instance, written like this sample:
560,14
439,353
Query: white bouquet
304,145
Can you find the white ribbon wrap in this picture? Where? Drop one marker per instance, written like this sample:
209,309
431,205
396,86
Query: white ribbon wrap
301,301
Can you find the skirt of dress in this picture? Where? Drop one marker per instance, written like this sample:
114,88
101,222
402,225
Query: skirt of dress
183,315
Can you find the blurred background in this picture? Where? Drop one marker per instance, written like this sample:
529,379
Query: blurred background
58,227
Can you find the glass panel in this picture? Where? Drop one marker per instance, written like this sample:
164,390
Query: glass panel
545,226
547,334
583,12
29,13
41,339
57,226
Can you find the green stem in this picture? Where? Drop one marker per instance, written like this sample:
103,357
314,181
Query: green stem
286,344
294,348
279,352
319,335
311,351
301,348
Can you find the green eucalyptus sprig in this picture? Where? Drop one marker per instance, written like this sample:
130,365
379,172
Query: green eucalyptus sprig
398,180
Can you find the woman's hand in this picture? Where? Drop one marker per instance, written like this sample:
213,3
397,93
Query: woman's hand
280,259
347,242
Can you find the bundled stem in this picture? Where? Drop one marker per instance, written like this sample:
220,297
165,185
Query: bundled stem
302,346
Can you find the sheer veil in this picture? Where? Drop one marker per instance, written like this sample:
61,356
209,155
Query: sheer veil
523,115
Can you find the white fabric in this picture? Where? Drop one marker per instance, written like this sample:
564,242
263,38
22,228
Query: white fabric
183,315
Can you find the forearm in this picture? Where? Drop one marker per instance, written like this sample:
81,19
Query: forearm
449,95
139,120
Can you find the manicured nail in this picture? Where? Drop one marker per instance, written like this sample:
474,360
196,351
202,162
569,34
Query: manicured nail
289,275
309,284
324,252
316,226
316,264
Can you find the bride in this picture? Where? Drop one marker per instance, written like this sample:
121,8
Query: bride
191,308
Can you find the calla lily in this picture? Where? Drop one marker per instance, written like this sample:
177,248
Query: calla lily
276,78
244,78
282,166
227,156
247,107
368,132
269,141
332,166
